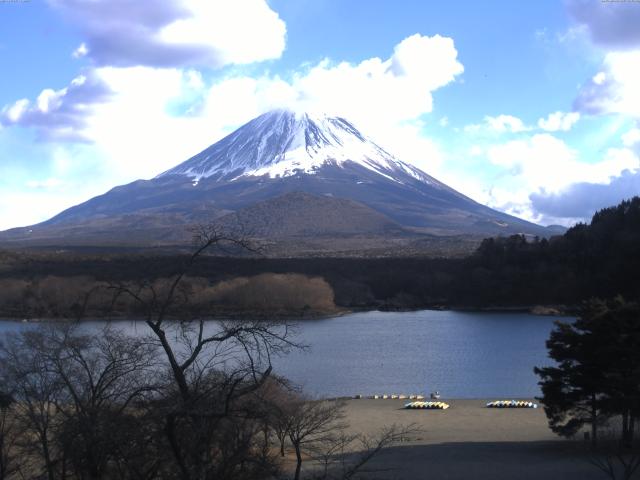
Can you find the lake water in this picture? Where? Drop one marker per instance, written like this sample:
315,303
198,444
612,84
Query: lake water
461,354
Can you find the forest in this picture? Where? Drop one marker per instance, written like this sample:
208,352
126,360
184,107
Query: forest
599,259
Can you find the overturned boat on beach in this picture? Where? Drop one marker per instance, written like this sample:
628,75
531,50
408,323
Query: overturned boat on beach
511,404
426,406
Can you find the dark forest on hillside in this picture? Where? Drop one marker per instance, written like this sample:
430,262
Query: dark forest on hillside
600,259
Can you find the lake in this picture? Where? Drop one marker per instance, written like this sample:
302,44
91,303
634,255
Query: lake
461,354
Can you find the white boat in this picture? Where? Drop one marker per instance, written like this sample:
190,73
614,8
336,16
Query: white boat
511,404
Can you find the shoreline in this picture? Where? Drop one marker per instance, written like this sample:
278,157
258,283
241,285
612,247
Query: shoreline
537,310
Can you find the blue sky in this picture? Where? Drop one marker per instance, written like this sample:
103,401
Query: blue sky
529,107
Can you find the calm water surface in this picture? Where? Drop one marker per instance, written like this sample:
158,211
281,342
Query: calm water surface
461,354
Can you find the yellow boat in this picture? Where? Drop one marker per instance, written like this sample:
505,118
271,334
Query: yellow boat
427,405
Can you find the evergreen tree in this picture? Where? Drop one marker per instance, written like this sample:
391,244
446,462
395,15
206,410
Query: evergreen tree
597,375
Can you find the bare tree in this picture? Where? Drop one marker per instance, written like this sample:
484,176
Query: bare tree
212,368
281,401
25,374
73,392
101,375
317,430
9,434
313,423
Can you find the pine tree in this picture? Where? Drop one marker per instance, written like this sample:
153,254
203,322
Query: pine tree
597,375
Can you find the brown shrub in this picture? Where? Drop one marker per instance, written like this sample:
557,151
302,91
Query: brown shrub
274,291
83,296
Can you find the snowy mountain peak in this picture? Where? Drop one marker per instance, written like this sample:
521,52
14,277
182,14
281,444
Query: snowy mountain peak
282,143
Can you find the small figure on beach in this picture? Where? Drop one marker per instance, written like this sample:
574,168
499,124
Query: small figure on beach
435,395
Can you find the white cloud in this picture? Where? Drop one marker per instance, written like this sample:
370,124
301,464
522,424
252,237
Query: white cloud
396,89
499,124
81,51
614,89
559,121
136,133
546,162
60,114
476,150
15,112
544,165
504,123
599,78
175,33
239,31
44,184
631,138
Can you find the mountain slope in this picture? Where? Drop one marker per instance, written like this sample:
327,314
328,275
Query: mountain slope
275,155
299,214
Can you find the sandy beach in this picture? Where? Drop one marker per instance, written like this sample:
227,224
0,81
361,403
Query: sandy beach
469,441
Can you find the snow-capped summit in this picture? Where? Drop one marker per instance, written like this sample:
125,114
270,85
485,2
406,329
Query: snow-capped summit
282,143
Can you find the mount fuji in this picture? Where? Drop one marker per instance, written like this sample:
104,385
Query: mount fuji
291,178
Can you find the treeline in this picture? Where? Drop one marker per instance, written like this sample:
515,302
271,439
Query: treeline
601,259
